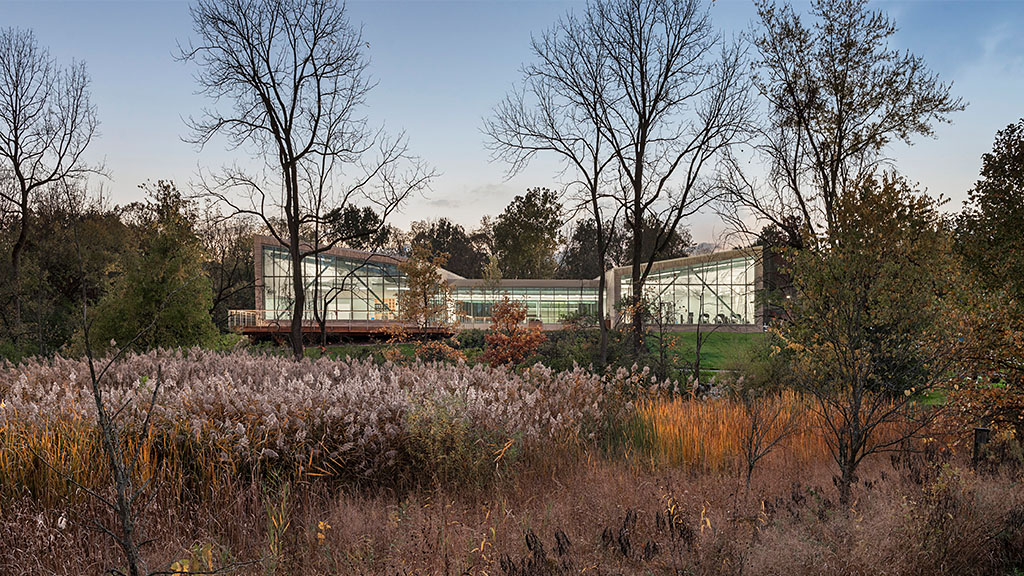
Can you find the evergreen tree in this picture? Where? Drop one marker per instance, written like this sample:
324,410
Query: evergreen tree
162,297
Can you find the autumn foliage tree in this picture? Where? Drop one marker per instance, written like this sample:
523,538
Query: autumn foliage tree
989,318
991,330
510,340
864,325
425,301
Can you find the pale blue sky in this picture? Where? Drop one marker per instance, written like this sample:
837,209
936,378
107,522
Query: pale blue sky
442,66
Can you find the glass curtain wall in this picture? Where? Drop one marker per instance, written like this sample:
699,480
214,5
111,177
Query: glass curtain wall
547,304
719,292
341,289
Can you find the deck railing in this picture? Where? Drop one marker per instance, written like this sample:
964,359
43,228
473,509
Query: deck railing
264,321
238,319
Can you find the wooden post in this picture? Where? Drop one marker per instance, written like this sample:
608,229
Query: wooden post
981,436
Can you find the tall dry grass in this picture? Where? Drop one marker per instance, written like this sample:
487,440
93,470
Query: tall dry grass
565,507
707,435
227,418
598,516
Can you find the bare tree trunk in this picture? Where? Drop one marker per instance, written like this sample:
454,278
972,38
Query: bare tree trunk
295,251
603,241
845,483
602,283
17,252
122,479
299,298
699,343
635,278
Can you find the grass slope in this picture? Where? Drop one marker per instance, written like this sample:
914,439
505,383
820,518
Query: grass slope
718,350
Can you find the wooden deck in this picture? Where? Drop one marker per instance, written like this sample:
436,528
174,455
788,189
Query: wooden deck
352,329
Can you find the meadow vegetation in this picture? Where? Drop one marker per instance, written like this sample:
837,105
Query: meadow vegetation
327,466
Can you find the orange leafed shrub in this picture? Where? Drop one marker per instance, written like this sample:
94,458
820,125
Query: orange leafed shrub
442,350
510,341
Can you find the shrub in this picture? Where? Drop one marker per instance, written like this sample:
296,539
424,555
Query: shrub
439,351
763,367
510,342
473,338
565,348
444,446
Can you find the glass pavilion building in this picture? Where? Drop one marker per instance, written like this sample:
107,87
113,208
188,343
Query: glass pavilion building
359,291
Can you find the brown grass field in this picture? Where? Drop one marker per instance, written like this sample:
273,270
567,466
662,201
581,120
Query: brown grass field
663,493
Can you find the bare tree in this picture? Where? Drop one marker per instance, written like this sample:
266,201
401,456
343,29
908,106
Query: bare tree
46,123
677,100
557,110
316,178
836,95
633,99
662,314
296,74
701,336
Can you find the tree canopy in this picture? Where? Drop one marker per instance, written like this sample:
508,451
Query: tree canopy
162,297
989,234
360,226
836,94
580,254
526,235
990,315
442,236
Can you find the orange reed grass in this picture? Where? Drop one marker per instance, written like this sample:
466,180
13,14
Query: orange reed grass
708,434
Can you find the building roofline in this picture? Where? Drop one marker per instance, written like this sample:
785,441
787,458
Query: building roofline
460,281
351,253
526,283
686,261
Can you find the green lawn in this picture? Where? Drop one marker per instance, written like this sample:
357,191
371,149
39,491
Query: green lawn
358,351
719,350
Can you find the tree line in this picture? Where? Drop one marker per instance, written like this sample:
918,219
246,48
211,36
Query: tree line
173,252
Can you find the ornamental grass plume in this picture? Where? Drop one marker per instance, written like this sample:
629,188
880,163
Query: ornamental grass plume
220,417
